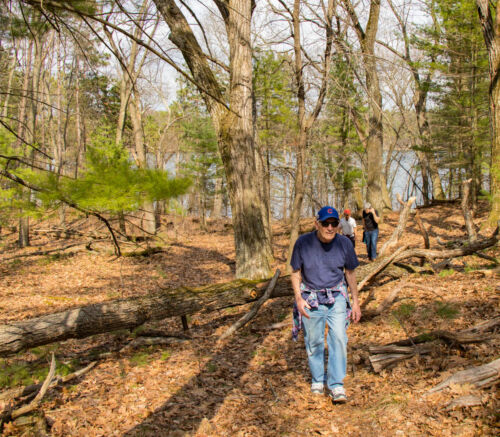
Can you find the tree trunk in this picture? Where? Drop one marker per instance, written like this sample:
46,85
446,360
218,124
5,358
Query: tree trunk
148,214
491,32
424,171
217,209
233,125
375,141
466,210
24,232
80,142
298,196
8,91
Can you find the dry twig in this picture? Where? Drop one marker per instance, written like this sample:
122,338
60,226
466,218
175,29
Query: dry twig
33,405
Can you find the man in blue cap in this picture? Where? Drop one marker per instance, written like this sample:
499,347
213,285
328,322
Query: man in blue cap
323,263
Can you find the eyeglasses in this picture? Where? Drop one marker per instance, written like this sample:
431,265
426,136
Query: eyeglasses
334,223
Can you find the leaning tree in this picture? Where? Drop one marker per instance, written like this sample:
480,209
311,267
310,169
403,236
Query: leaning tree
227,92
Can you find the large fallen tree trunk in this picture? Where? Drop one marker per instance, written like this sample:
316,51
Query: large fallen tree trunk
129,313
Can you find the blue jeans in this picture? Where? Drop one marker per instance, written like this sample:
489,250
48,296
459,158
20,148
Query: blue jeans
371,238
314,337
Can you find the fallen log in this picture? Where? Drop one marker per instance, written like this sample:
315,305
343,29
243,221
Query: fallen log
398,270
452,338
385,356
378,266
432,254
43,252
128,313
392,353
481,376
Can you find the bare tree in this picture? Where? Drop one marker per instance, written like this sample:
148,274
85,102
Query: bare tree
233,124
301,61
376,184
422,82
131,65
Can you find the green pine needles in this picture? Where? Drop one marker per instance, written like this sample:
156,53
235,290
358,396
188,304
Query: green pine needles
110,183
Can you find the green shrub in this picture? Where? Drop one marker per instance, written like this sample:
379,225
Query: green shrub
446,310
446,272
16,374
405,310
140,359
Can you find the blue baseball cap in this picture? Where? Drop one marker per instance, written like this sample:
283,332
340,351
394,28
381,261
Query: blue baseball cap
327,212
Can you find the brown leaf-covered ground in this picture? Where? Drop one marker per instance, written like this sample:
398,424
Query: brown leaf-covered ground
257,382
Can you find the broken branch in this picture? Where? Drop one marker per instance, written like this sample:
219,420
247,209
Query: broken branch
247,317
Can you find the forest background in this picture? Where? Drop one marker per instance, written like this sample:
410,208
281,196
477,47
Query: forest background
181,143
277,108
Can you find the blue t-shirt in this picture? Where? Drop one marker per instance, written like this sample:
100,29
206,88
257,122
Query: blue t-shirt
322,264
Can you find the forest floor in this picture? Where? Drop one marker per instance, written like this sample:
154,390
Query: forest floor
256,383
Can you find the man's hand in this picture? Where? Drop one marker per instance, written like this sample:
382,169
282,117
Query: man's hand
356,313
302,305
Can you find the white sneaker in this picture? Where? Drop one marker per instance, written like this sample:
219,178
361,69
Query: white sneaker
317,388
338,395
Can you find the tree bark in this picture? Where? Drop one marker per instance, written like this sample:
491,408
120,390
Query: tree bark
481,376
374,142
466,210
491,33
385,356
129,313
217,208
233,125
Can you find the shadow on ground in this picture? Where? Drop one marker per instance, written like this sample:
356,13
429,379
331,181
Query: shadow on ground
223,377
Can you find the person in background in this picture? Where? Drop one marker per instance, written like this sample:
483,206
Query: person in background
323,264
370,226
348,226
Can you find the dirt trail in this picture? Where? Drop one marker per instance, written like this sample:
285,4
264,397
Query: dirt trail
255,383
